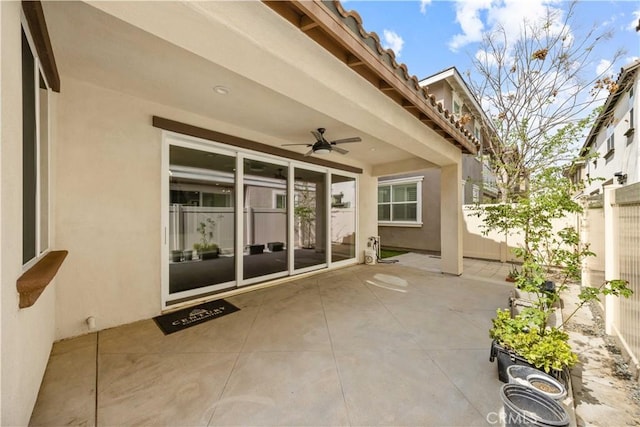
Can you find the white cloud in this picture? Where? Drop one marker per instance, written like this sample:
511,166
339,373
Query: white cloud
391,40
468,16
485,58
423,6
603,66
478,16
636,20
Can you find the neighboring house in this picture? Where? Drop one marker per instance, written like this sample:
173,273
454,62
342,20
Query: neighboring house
612,143
408,204
107,108
454,94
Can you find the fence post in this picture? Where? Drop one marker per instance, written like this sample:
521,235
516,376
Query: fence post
611,264
583,226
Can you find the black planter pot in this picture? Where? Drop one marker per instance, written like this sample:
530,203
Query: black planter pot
275,246
209,255
256,249
507,358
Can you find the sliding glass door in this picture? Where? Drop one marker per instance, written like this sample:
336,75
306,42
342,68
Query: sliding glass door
264,220
343,218
310,219
234,217
201,221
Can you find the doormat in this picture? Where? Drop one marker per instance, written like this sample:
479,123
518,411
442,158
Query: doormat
191,316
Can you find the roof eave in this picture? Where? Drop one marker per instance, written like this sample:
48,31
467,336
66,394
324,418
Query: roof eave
352,46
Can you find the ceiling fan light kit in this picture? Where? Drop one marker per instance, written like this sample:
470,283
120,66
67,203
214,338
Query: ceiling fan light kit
324,147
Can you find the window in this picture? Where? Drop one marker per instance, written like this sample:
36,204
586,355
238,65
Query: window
400,201
631,119
280,201
610,143
456,108
476,193
35,154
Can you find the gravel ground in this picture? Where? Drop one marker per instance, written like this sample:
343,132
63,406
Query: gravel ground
605,390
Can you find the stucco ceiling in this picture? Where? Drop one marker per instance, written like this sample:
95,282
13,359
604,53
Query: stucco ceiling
93,46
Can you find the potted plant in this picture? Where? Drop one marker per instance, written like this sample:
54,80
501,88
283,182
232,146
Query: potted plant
551,260
528,339
176,255
205,247
513,274
519,340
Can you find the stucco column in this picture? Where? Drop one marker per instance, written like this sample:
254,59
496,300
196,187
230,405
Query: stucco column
451,219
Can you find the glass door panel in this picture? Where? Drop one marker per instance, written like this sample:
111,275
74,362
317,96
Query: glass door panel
343,218
201,221
310,222
265,219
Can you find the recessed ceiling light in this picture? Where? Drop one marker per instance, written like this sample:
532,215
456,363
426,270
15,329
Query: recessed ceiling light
221,90
372,149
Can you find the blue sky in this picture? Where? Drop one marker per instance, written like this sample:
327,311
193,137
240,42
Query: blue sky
431,35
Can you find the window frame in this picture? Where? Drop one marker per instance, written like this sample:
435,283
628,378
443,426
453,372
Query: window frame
417,180
279,195
41,158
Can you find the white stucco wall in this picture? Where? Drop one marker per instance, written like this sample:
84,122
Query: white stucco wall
109,205
27,334
626,155
108,208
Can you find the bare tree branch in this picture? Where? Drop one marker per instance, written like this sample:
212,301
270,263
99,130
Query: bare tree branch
536,90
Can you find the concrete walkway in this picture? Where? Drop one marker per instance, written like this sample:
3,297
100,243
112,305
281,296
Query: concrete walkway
394,344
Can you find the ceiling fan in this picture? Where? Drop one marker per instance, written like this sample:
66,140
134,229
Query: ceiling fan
323,146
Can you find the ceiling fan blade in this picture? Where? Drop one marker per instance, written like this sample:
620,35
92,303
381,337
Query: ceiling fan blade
317,135
308,145
308,153
345,140
340,150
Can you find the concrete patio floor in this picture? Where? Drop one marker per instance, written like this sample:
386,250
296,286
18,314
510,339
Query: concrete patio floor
391,344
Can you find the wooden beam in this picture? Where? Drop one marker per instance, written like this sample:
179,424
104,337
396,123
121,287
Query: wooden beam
409,105
211,135
307,23
426,119
354,61
38,27
384,86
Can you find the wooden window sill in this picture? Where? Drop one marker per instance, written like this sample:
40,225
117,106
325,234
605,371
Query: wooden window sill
33,282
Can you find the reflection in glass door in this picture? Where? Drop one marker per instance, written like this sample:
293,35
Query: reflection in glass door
265,219
310,219
343,218
201,221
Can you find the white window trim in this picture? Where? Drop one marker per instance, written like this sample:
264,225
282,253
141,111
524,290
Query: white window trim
171,301
39,73
275,198
399,181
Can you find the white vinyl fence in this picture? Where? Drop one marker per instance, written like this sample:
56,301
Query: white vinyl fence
611,227
496,246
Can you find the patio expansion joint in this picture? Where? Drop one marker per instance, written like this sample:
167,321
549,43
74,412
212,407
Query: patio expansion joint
95,411
235,364
335,360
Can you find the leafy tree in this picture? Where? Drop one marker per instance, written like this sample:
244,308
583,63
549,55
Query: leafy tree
305,212
546,254
538,92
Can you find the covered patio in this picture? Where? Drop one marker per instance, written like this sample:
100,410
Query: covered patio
391,344
112,95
